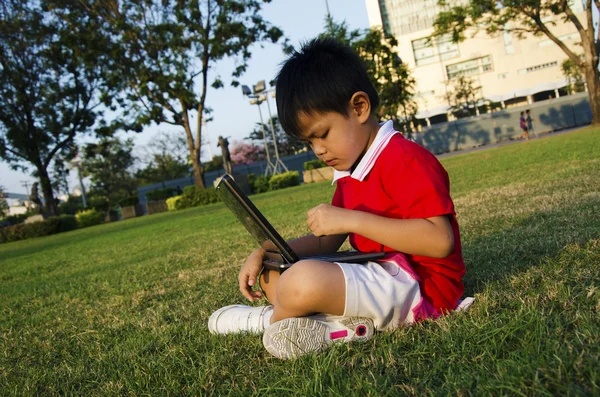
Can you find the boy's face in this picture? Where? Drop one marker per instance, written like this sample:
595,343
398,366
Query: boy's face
338,140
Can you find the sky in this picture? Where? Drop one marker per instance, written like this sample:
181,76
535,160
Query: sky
233,115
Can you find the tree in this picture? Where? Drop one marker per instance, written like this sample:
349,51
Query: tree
3,204
574,75
246,153
51,86
168,160
286,145
390,77
168,48
108,163
523,17
464,97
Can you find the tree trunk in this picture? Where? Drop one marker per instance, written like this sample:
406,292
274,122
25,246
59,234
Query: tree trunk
198,169
593,86
49,204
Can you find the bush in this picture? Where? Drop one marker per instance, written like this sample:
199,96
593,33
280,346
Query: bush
129,201
89,217
314,164
16,219
46,227
287,179
194,197
261,184
172,203
160,194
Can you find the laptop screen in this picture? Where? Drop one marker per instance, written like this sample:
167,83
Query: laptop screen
253,220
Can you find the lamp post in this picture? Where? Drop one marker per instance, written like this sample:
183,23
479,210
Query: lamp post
260,88
76,162
257,100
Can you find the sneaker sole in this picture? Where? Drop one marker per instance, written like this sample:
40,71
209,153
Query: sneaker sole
294,337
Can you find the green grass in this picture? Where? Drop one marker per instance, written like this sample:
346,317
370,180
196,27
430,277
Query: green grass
121,309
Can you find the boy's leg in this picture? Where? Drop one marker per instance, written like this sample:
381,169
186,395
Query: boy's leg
308,287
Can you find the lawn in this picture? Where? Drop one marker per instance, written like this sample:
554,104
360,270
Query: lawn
121,308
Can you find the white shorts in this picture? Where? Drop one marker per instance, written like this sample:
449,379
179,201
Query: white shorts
386,291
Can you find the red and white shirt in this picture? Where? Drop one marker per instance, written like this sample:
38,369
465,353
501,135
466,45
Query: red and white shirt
397,178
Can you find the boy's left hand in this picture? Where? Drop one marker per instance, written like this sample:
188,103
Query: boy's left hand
326,220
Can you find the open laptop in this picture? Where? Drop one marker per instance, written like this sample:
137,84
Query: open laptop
280,255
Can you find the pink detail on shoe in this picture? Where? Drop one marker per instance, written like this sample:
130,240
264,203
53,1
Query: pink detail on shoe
424,310
401,261
338,334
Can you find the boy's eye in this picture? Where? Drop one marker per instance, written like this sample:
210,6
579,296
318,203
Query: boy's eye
324,135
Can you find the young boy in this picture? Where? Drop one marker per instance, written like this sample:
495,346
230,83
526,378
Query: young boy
392,195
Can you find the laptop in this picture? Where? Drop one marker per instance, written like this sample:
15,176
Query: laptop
280,255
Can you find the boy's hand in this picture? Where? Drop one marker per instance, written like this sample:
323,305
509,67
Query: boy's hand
249,274
326,220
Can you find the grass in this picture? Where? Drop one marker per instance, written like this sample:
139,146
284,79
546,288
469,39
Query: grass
121,309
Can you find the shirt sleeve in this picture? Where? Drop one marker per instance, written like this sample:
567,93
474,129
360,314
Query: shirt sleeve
421,185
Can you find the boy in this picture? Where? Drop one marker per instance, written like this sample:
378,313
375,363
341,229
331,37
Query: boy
392,195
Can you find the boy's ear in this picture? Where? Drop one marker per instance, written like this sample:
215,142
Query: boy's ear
361,105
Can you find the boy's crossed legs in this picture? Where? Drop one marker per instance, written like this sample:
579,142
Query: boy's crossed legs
295,324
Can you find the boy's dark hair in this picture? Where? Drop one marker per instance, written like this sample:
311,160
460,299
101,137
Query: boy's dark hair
321,77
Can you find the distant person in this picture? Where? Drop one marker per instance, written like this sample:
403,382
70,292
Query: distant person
224,144
523,125
529,121
391,195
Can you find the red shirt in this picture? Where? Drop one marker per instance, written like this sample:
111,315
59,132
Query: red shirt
398,178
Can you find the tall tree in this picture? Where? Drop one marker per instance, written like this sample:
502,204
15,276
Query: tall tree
168,48
464,96
528,17
108,163
389,75
51,85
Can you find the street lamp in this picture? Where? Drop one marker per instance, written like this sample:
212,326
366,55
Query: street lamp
76,162
257,100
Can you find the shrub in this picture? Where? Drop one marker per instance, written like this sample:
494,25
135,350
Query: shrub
129,201
16,219
261,184
194,197
172,203
287,179
314,164
89,217
160,194
46,227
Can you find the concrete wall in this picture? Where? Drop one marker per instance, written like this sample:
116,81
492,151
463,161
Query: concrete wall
550,115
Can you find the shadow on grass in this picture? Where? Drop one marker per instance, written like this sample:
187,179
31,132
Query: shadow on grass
499,256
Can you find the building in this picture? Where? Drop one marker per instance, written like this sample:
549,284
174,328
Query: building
510,71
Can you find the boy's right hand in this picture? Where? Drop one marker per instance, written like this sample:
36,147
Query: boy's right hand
249,274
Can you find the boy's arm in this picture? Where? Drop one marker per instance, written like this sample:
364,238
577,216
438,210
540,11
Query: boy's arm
313,245
431,237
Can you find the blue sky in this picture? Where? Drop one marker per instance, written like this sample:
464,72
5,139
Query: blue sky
233,116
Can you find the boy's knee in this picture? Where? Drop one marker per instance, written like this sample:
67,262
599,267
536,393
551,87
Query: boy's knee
300,283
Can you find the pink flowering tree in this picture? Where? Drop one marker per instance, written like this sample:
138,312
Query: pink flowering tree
246,153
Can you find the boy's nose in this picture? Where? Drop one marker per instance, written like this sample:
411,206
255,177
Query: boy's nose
319,149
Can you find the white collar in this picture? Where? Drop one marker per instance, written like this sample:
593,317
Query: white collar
385,133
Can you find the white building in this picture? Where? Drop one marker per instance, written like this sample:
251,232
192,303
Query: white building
511,71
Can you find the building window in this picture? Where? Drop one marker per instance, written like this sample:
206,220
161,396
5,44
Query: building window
538,67
566,37
470,68
427,50
502,76
508,47
423,50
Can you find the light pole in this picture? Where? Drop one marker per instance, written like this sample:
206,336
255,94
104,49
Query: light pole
260,88
76,162
257,100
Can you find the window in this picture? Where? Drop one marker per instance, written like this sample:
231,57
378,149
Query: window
502,76
470,68
427,50
538,67
423,50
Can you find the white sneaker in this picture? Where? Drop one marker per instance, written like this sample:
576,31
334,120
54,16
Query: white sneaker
294,337
464,304
240,318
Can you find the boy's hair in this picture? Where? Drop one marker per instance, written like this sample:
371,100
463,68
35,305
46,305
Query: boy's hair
321,77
